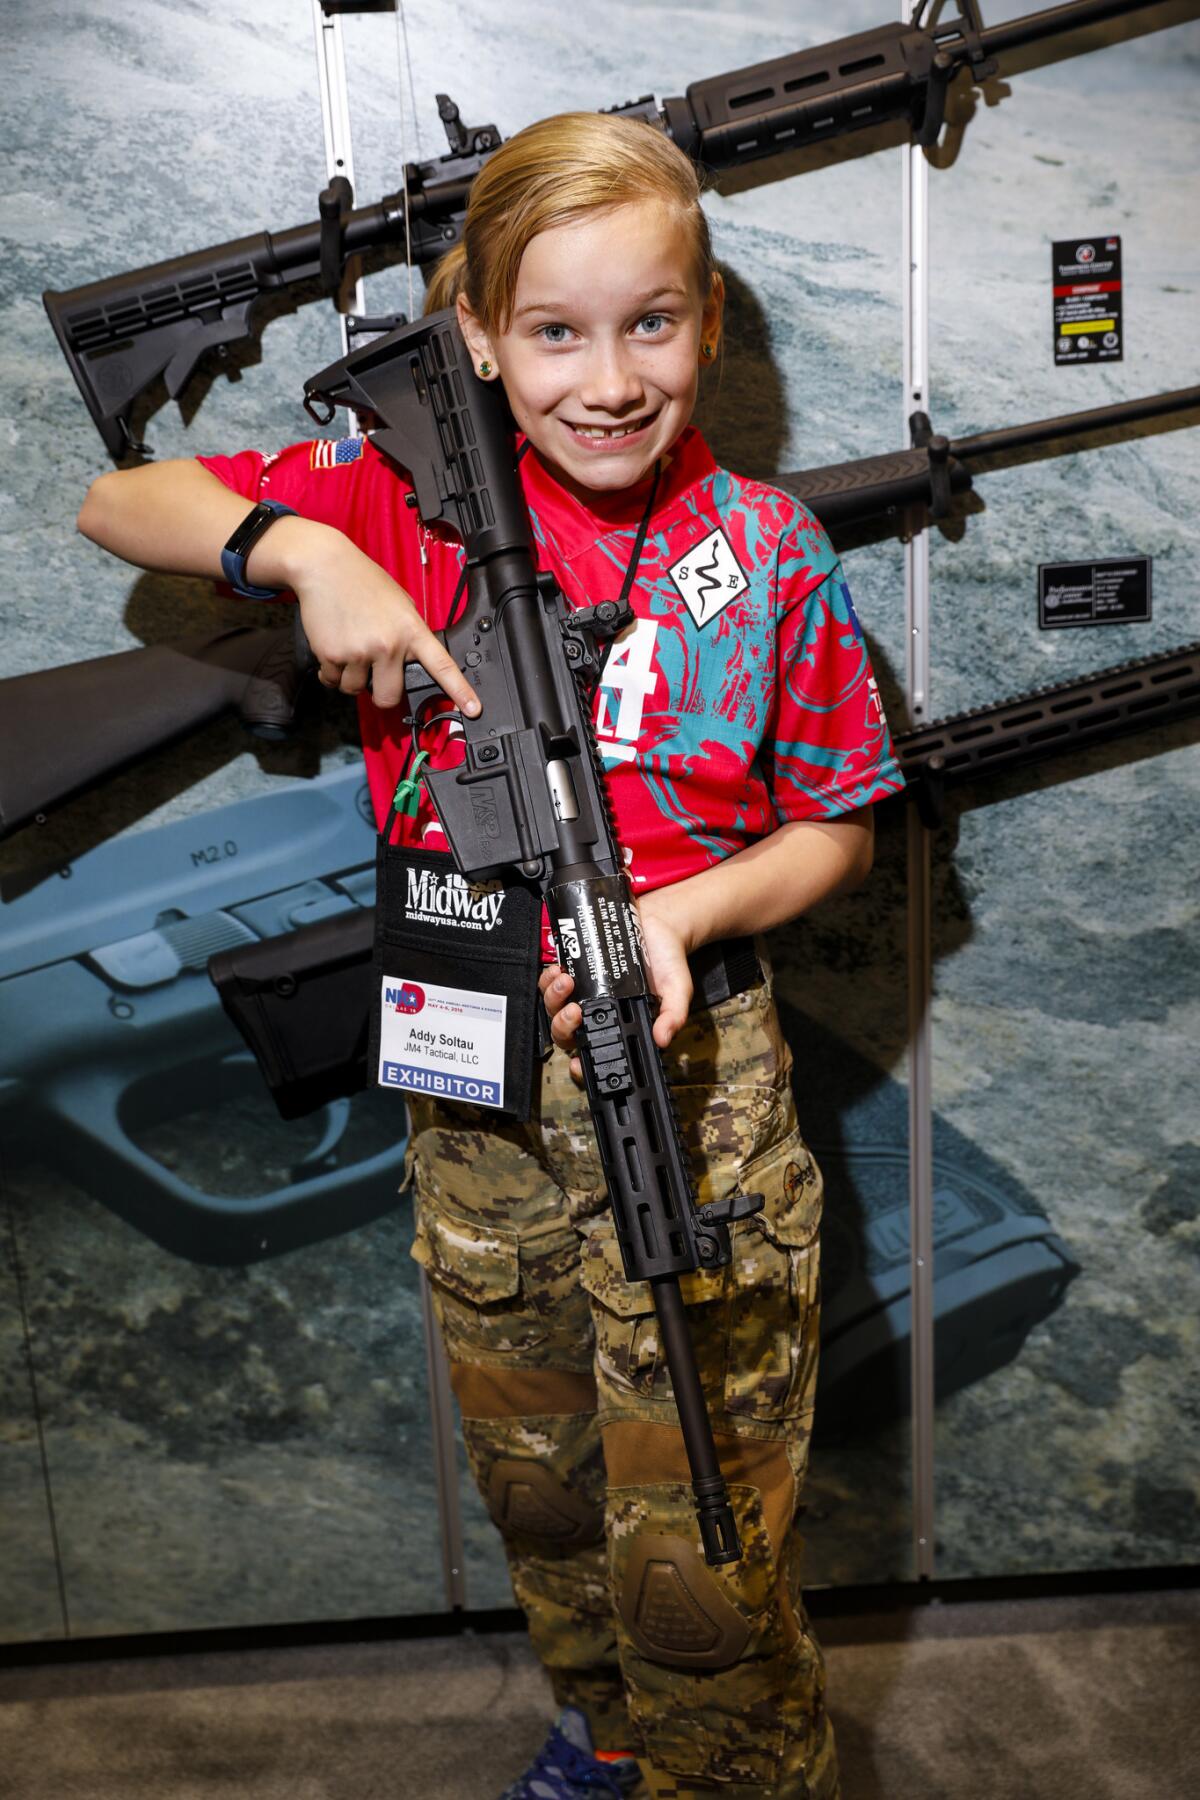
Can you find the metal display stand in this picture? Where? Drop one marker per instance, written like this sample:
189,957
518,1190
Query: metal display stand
915,255
339,162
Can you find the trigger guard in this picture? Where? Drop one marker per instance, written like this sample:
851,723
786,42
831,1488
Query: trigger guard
322,1154
452,715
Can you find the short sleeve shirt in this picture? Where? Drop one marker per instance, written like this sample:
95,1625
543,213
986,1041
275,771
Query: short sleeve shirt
739,698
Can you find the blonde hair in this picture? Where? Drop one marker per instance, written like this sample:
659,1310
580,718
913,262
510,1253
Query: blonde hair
553,173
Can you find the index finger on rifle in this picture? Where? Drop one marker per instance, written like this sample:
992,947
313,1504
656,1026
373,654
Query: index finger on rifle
437,662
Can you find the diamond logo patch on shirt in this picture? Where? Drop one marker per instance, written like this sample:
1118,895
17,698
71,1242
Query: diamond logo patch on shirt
709,576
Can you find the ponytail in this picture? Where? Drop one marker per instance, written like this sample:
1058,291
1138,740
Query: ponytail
448,280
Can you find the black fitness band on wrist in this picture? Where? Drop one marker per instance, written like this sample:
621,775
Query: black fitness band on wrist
233,556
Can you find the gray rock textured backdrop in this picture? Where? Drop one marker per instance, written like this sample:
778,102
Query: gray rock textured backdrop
224,1446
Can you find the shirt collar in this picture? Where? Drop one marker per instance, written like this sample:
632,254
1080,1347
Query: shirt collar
576,527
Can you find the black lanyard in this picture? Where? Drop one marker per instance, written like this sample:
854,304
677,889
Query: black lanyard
636,558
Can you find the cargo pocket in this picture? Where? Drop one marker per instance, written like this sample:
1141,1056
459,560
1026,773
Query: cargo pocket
474,1267
628,1353
773,1318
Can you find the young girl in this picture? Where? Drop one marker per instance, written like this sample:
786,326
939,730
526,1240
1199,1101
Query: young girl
743,742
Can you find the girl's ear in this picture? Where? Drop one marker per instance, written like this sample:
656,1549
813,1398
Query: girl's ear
478,342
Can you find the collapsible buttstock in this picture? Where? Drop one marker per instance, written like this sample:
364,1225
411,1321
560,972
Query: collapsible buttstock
120,334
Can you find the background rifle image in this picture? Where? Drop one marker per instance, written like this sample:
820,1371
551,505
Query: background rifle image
121,334
128,704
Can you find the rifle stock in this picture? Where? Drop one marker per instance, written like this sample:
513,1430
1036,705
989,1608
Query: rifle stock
61,730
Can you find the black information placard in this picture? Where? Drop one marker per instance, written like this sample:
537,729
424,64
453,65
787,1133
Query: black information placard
1116,592
1087,300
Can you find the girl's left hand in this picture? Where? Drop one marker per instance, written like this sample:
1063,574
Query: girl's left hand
670,978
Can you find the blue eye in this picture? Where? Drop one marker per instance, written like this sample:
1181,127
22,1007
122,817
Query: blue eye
542,329
659,319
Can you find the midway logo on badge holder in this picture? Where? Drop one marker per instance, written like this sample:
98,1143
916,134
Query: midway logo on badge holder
708,577
449,899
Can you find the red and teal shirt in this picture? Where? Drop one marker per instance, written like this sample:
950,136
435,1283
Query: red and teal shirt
741,696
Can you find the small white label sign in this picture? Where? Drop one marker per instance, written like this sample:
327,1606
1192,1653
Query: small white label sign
442,1041
709,576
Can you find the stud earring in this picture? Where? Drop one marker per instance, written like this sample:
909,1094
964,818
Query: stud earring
710,350
485,368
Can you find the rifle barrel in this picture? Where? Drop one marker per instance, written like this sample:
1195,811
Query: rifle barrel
1080,424
1032,27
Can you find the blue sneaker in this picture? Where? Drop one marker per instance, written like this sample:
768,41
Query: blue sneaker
567,1768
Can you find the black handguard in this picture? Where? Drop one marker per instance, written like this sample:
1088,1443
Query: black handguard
529,799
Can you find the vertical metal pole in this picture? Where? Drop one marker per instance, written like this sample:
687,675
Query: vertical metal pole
335,117
339,160
920,1083
445,1461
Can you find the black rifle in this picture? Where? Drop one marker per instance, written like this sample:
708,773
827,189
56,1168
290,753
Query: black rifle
120,334
529,802
124,705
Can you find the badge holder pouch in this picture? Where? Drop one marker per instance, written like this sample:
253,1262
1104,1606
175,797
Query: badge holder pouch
454,1008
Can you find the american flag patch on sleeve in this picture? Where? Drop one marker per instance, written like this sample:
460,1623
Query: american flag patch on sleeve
330,453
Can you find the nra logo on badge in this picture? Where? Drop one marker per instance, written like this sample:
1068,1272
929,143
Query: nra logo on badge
407,998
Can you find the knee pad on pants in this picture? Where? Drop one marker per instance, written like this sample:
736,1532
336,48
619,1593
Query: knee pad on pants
528,1500
674,1610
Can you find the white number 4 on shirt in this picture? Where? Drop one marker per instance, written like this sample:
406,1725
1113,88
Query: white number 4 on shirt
708,577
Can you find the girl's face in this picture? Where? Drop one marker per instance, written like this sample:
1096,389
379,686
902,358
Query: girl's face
601,359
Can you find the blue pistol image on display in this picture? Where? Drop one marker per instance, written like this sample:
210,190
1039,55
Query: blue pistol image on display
999,1265
112,1027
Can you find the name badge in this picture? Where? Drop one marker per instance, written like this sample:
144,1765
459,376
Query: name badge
447,1042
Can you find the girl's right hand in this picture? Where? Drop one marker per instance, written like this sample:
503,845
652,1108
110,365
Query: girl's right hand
361,625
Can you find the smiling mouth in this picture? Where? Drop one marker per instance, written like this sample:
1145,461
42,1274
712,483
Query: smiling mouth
608,434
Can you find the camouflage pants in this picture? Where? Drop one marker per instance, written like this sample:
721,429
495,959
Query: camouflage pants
713,1676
